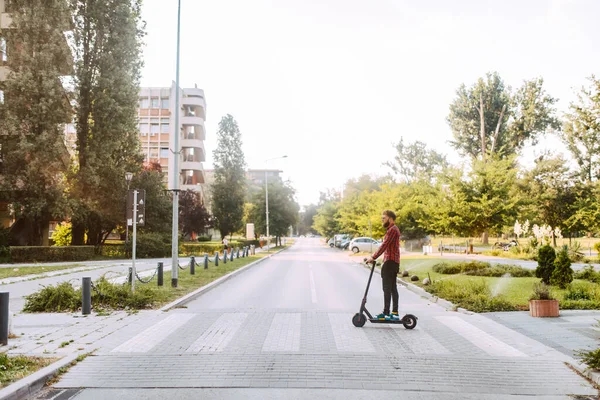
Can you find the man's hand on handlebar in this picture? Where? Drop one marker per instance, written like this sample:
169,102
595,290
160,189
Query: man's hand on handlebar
369,260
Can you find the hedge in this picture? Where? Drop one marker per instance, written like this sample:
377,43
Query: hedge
22,254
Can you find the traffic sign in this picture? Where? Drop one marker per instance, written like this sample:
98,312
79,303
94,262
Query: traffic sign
141,207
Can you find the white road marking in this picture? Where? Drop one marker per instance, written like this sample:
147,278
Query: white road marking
479,338
284,333
146,340
347,336
220,333
313,289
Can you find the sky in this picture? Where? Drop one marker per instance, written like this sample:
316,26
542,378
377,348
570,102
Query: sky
334,84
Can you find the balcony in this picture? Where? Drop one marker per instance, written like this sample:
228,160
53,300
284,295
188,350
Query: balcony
191,179
190,120
191,165
194,131
5,20
3,73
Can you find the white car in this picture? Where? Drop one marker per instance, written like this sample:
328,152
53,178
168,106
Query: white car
364,244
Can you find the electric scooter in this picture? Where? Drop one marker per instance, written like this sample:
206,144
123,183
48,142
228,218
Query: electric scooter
409,321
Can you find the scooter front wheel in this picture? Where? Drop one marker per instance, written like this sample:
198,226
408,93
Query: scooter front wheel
409,321
359,320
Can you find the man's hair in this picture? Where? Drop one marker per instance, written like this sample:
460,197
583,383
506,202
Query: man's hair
390,214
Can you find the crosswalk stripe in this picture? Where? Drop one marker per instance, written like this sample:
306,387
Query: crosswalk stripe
420,342
479,338
152,336
347,336
219,334
284,333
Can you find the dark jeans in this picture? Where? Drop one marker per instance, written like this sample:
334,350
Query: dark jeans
389,270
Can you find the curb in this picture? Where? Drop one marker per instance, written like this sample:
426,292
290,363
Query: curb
28,386
584,370
198,292
425,294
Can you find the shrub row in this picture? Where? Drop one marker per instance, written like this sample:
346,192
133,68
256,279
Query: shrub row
478,268
22,254
63,297
472,295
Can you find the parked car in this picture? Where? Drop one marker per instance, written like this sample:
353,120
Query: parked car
365,244
505,246
345,243
341,238
331,242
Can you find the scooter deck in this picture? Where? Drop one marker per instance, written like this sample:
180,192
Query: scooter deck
386,321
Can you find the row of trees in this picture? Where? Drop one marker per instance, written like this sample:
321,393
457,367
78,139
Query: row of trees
490,123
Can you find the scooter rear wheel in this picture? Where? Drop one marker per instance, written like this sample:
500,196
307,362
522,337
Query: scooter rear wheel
409,321
359,320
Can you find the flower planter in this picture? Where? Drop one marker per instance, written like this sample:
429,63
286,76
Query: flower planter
543,308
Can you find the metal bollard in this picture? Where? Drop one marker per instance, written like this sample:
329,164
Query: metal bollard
238,253
216,258
206,261
193,266
86,295
160,274
225,256
231,256
4,318
129,275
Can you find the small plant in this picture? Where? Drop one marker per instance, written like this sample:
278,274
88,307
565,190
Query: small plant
575,253
588,273
541,291
546,257
578,292
65,344
590,358
563,273
59,298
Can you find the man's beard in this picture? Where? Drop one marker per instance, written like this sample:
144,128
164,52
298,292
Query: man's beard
387,224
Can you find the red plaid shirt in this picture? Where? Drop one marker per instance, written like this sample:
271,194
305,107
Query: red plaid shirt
390,248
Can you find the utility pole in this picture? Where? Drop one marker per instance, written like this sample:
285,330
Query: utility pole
176,155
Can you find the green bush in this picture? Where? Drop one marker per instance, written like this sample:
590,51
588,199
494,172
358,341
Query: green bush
152,245
4,244
473,295
579,305
575,253
60,298
23,254
546,257
465,267
541,291
446,268
113,250
204,238
499,270
198,249
563,273
588,274
578,291
63,297
590,358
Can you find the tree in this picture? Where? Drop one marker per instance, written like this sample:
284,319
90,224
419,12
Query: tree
228,190
193,217
549,193
107,40
416,161
283,210
305,225
325,221
159,202
581,131
34,158
364,183
546,257
488,118
563,273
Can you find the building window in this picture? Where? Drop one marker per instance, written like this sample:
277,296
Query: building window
164,103
144,103
164,152
154,102
153,129
1,96
164,128
154,120
3,54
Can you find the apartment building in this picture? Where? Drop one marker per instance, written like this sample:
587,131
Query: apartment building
157,129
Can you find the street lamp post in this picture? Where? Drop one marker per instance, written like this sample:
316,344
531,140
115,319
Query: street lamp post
128,178
267,199
176,155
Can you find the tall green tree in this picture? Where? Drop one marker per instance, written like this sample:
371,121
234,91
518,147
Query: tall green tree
325,222
415,161
33,155
107,40
193,217
581,131
489,118
283,210
159,202
229,188
305,223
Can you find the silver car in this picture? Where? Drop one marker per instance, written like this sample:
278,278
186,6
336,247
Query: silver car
364,244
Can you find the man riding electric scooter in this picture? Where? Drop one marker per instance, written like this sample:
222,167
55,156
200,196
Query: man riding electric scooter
390,248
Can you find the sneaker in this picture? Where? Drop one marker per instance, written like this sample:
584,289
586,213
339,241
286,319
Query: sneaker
382,317
395,316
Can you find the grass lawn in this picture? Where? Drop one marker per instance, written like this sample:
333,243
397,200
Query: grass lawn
516,291
13,368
